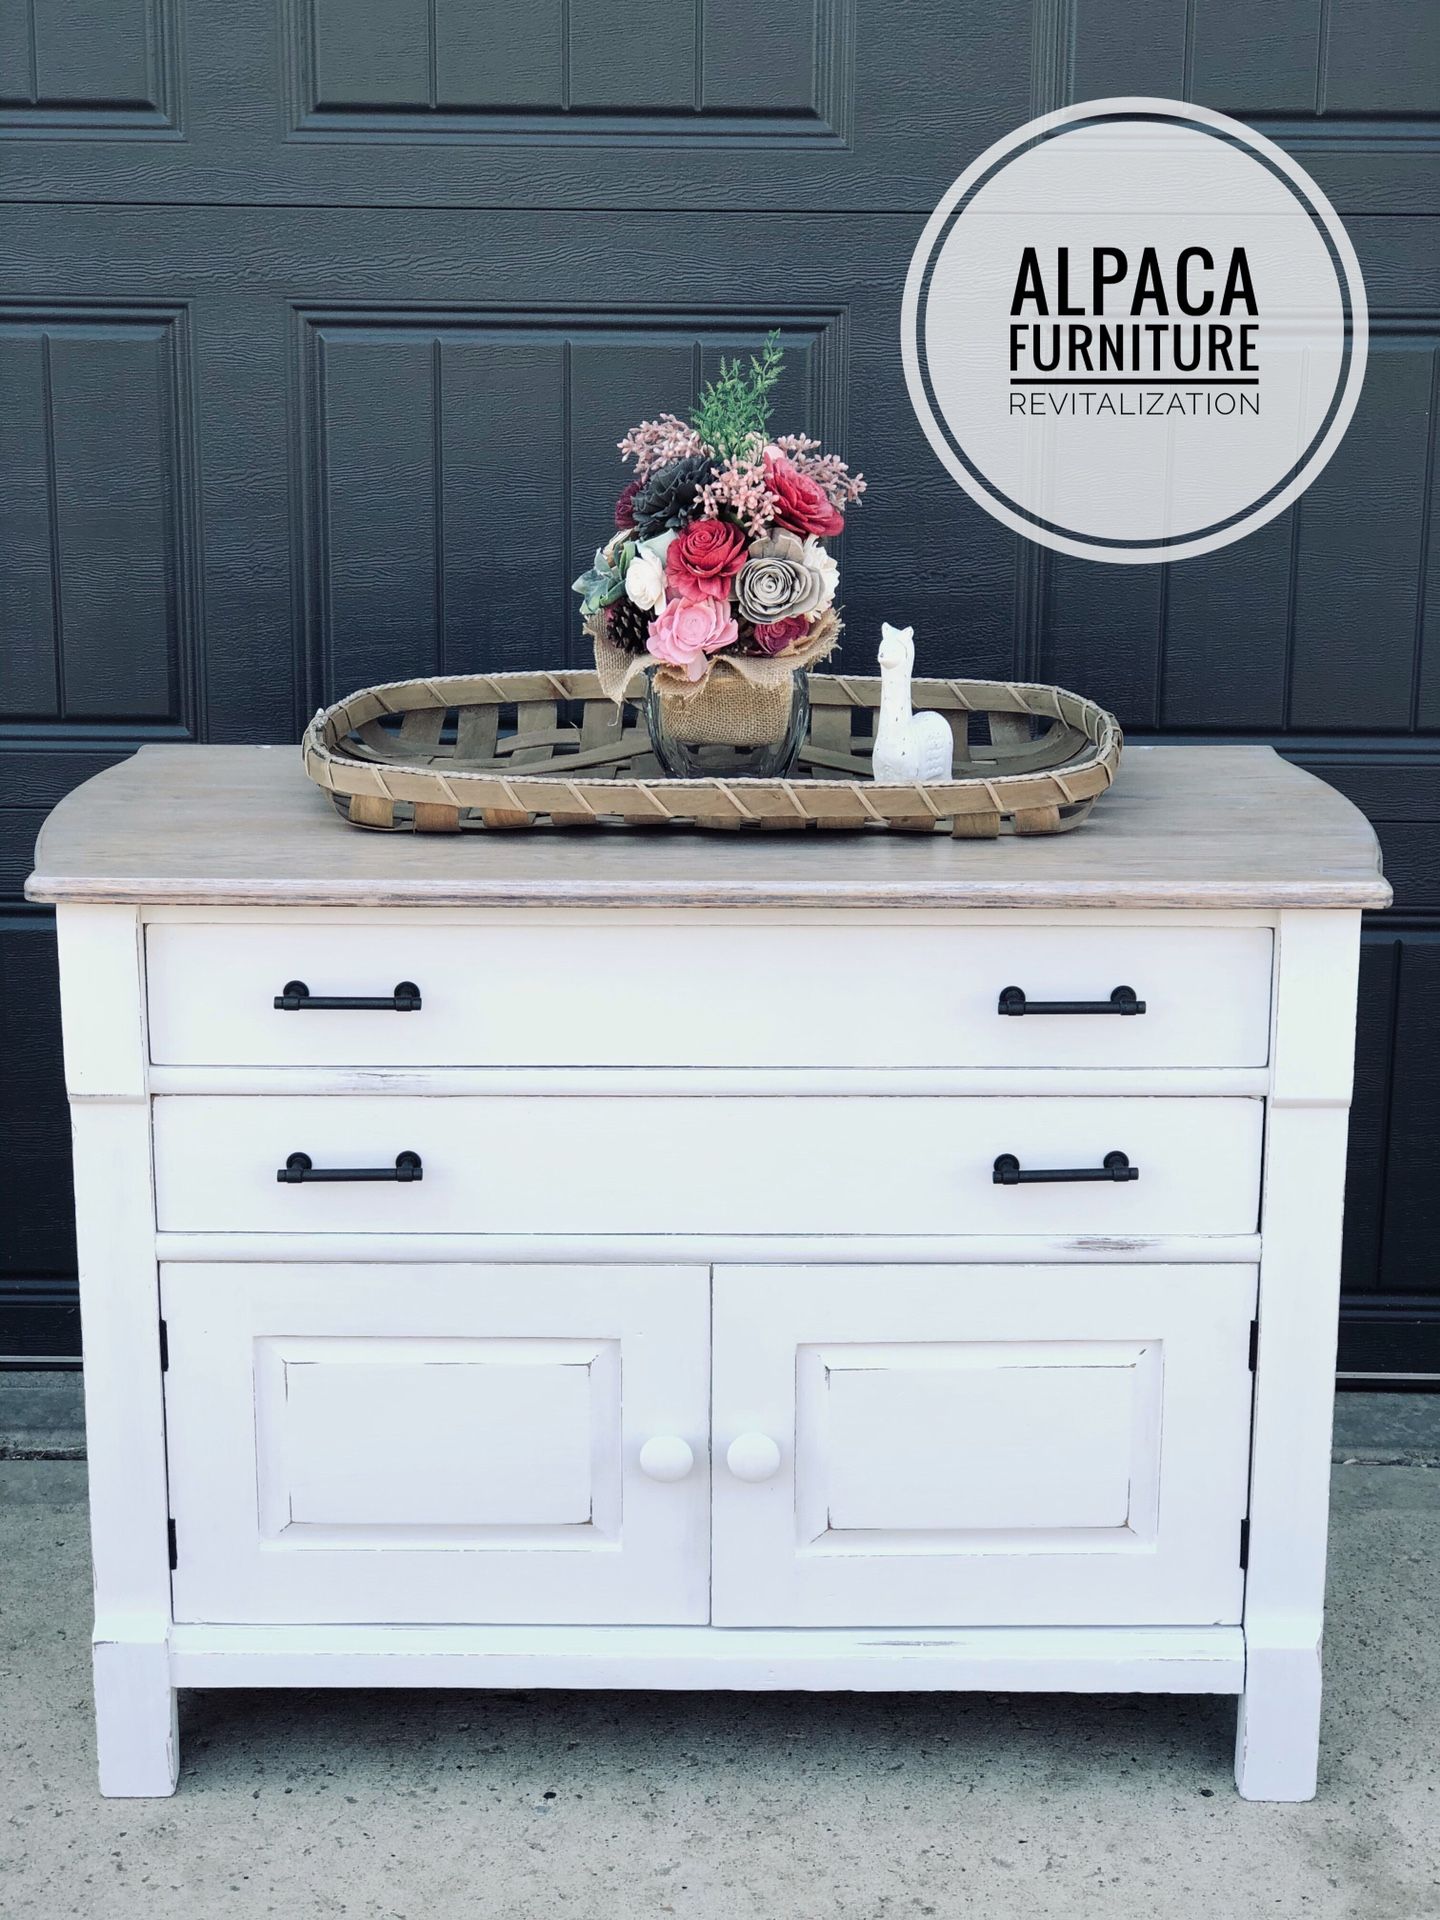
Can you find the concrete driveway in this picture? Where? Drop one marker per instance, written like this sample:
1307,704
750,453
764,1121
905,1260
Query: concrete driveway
407,1806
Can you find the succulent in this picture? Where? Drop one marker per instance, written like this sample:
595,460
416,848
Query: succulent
604,581
668,496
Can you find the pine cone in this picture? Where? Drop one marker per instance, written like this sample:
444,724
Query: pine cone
627,625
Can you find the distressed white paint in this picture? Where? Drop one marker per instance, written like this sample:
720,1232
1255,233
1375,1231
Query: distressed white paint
460,1433
981,1436
888,1660
136,1719
781,1249
1278,1737
102,1002
103,1024
992,1454
513,995
436,1443
460,1083
478,1434
563,1165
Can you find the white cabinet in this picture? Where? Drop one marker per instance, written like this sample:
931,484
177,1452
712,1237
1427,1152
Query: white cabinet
436,1443
676,1260
893,1446
983,1445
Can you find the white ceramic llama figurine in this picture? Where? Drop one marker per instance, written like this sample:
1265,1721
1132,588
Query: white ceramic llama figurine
910,747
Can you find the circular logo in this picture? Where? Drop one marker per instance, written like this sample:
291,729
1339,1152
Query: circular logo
1134,330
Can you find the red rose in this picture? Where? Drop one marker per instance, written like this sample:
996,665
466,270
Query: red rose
625,505
800,503
774,636
701,562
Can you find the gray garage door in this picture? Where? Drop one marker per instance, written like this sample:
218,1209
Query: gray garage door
319,320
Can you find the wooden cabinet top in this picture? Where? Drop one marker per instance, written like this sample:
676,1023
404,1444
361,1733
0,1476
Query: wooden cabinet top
1207,826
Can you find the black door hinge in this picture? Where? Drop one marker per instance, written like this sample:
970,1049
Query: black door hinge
174,1549
1254,1342
165,1348
1244,1544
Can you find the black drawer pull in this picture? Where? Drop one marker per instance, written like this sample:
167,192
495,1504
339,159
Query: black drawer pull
1013,1001
1010,1173
297,998
299,1168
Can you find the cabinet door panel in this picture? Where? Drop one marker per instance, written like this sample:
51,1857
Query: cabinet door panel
895,1417
435,1444
536,1418
979,1445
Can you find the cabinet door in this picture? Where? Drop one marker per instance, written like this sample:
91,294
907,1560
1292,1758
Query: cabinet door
445,1443
980,1445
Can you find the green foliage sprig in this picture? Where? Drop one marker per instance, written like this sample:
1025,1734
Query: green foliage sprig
734,409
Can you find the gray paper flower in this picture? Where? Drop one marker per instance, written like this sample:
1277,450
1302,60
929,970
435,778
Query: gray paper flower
667,498
775,582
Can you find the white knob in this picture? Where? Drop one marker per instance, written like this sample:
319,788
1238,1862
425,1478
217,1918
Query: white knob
753,1456
665,1456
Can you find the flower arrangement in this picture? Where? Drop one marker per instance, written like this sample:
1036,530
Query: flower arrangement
718,568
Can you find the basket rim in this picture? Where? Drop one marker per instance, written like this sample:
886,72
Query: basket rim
327,763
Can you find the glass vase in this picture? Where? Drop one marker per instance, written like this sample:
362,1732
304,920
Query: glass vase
730,729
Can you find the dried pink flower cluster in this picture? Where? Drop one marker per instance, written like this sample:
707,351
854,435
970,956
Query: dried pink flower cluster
656,443
829,472
739,488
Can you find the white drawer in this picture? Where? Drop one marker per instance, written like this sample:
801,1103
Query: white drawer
610,991
723,1165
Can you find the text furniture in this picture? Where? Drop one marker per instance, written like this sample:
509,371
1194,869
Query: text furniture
708,1260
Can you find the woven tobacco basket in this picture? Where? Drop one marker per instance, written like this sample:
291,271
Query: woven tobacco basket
526,749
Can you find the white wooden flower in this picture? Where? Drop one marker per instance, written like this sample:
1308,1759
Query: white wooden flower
645,580
823,563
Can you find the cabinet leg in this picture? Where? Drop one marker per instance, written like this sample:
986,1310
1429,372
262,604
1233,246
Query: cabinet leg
1277,1743
136,1733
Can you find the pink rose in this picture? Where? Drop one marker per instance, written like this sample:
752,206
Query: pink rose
800,503
705,558
774,636
685,630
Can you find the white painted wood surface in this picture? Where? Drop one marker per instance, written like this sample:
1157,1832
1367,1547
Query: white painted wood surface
780,1249
105,1047
450,1083
976,1446
516,996
436,1443
1008,1659
102,1003
406,1423
1279,1726
569,1165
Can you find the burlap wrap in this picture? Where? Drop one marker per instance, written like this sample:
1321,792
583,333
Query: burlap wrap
743,701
